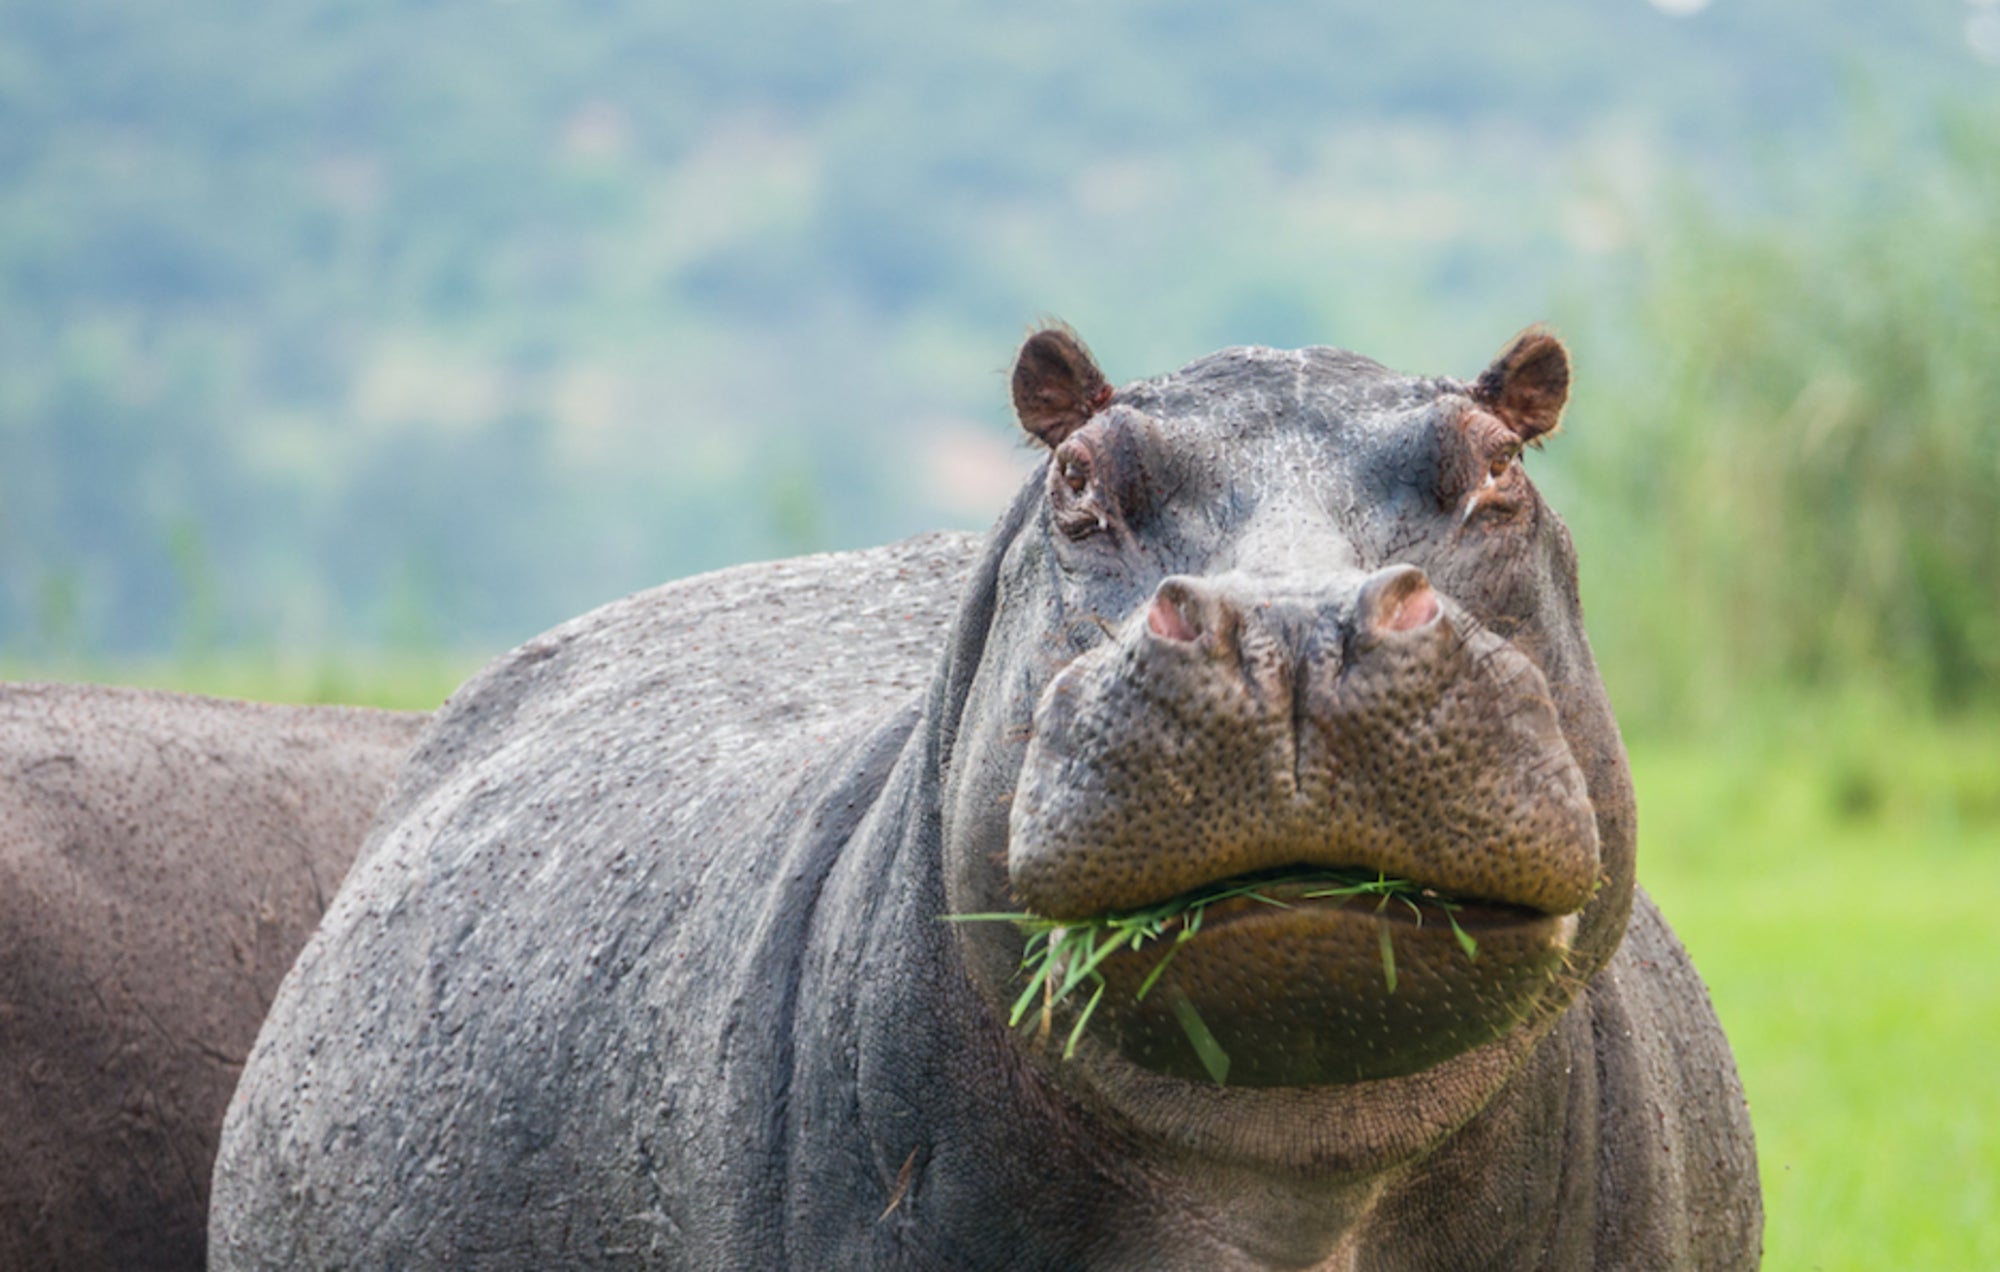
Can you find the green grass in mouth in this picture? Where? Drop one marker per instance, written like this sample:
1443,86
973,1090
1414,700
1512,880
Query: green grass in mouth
1063,955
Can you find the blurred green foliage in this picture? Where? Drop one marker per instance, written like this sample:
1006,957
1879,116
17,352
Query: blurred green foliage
326,325
1793,473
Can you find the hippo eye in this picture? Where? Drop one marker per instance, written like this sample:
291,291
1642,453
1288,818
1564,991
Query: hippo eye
1480,473
1077,492
1075,474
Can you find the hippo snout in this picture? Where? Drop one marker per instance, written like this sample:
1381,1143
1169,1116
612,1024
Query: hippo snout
1241,731
1235,727
1237,731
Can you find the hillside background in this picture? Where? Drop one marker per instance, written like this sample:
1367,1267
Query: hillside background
343,345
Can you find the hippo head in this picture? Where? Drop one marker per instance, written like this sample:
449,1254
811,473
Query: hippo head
1285,610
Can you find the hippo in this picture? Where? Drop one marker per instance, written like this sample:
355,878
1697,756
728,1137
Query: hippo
162,860
674,946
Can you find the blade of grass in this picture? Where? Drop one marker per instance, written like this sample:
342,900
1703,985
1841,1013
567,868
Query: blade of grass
1213,1057
1465,940
1388,954
1089,1009
1186,934
1098,952
1027,998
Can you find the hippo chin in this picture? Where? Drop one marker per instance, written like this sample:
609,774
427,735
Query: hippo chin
646,963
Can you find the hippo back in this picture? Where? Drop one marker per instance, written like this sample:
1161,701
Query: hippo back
162,858
597,783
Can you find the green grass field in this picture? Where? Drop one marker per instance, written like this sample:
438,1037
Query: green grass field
1836,879
407,682
1835,872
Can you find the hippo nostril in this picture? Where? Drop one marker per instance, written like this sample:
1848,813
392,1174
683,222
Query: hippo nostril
1168,618
1415,609
1397,600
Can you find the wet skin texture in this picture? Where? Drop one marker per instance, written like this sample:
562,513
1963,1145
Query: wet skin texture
645,966
162,860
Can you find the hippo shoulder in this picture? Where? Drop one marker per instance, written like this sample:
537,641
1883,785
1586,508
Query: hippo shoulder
611,833
162,859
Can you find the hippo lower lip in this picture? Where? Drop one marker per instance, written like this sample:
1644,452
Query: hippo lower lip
1306,980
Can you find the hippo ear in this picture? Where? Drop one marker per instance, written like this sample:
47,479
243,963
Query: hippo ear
1057,385
1527,384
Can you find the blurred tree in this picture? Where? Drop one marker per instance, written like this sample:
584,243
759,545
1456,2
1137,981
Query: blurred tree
524,292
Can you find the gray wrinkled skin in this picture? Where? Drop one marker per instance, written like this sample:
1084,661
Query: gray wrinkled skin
645,965
162,859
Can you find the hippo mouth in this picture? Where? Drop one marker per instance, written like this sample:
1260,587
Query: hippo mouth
1359,888
1295,976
